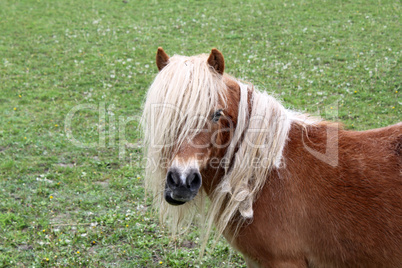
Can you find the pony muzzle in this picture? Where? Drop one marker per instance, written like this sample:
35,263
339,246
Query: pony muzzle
181,186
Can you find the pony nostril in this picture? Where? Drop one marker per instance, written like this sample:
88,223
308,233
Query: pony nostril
194,181
172,179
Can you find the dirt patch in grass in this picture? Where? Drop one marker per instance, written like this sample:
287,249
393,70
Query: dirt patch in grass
24,247
188,244
102,183
61,218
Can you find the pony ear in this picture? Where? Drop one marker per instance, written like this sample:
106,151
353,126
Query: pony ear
216,61
161,58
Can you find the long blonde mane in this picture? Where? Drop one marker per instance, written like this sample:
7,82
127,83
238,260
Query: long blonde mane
188,84
182,92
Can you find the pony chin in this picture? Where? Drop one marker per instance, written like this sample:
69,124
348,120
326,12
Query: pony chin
168,194
171,201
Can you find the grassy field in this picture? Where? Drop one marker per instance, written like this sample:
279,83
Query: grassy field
82,203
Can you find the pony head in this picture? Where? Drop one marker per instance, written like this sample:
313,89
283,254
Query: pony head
204,131
188,112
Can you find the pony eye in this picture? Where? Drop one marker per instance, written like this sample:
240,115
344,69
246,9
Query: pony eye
217,115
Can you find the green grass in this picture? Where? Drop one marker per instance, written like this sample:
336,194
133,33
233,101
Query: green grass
58,199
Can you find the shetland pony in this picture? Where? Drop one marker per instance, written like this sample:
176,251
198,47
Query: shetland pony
285,189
